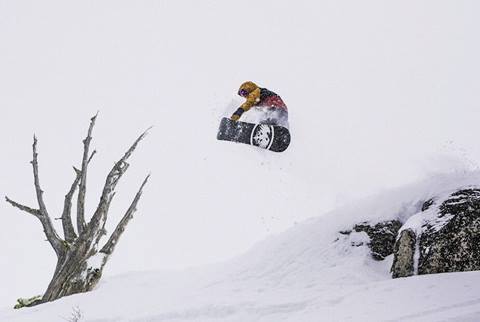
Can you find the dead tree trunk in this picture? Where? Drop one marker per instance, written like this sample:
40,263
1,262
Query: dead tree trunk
80,259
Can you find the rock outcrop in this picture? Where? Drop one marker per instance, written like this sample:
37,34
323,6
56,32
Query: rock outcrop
446,237
403,261
455,246
382,237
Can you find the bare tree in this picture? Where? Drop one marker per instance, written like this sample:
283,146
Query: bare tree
80,259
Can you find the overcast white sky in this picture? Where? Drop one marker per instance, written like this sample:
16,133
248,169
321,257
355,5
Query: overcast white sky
380,93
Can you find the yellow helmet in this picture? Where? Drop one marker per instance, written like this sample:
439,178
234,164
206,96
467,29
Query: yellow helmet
246,88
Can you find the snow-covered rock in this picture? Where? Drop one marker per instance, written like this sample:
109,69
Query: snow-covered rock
403,262
443,237
382,237
456,246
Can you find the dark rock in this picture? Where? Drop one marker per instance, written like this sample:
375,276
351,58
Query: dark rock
427,204
382,237
403,260
452,242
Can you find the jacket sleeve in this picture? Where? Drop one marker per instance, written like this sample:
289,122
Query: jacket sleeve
252,99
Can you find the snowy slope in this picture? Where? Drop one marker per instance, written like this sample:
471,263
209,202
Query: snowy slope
155,298
308,273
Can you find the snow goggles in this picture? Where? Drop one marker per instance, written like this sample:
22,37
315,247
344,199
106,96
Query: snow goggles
242,92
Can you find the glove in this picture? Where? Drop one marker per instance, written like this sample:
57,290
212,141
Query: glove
237,114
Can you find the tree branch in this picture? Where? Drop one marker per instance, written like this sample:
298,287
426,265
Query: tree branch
48,228
120,167
100,232
31,211
68,230
83,178
91,156
40,213
109,247
38,189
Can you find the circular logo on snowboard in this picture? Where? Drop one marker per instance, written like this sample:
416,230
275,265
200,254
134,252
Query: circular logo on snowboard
262,136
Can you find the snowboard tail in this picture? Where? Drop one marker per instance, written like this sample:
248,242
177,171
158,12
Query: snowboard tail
270,137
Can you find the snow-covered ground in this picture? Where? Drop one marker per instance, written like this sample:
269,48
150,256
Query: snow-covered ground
308,273
156,298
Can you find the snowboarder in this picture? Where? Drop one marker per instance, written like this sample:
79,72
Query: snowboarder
268,107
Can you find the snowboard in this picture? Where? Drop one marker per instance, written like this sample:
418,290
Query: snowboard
270,137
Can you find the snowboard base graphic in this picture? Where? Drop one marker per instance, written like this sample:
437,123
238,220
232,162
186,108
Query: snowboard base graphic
270,137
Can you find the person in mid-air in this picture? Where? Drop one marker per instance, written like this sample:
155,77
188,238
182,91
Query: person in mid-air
268,107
